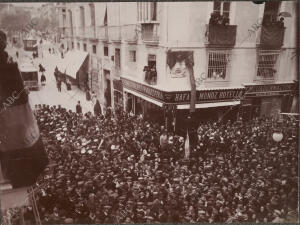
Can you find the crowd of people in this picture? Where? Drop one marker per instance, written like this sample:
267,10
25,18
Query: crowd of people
113,168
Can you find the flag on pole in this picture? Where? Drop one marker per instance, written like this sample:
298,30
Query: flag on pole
22,153
187,146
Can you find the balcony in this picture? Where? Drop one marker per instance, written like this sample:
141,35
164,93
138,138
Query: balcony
90,32
102,33
271,36
150,33
114,33
220,35
130,33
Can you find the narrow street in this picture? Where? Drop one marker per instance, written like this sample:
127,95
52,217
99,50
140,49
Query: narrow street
49,94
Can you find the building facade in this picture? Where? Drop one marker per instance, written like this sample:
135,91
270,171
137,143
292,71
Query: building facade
165,59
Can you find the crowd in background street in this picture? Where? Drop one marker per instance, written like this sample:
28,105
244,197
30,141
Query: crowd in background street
123,169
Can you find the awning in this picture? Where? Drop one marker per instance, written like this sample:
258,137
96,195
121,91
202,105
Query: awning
77,59
144,97
72,62
209,105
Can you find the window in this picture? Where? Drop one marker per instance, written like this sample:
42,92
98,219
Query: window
94,49
223,8
271,12
218,61
72,45
78,46
84,47
266,63
147,11
117,58
63,10
150,70
105,51
92,10
132,56
82,17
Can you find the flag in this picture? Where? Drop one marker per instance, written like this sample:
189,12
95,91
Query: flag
22,154
187,146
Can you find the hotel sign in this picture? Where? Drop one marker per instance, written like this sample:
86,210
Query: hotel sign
270,89
183,97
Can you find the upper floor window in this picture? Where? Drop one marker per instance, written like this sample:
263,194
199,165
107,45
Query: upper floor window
84,47
72,45
105,49
92,10
147,11
78,46
132,56
117,58
222,8
271,12
82,17
267,61
218,64
94,49
150,70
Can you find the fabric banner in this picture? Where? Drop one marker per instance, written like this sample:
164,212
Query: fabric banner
22,153
181,63
272,36
222,34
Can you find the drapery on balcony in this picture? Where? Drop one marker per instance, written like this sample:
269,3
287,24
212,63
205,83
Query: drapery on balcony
90,32
271,36
222,35
114,33
130,33
102,33
150,33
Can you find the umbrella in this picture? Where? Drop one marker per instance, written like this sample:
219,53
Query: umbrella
285,14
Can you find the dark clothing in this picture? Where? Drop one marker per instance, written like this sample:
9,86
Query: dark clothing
78,108
97,109
43,78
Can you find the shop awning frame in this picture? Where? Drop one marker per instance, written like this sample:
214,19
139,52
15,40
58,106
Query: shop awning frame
210,105
160,104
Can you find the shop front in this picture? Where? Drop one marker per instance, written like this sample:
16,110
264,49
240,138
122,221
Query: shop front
172,108
268,99
118,94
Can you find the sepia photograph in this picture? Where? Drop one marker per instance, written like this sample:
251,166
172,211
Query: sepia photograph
149,112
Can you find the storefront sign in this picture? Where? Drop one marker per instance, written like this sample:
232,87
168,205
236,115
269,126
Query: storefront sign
270,89
143,89
183,97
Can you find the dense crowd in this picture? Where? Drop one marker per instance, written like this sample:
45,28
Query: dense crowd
115,169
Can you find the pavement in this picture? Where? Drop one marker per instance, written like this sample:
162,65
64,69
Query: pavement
49,94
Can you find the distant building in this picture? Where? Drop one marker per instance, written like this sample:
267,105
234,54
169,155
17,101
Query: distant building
141,56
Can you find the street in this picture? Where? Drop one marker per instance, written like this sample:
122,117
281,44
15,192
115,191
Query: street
49,94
